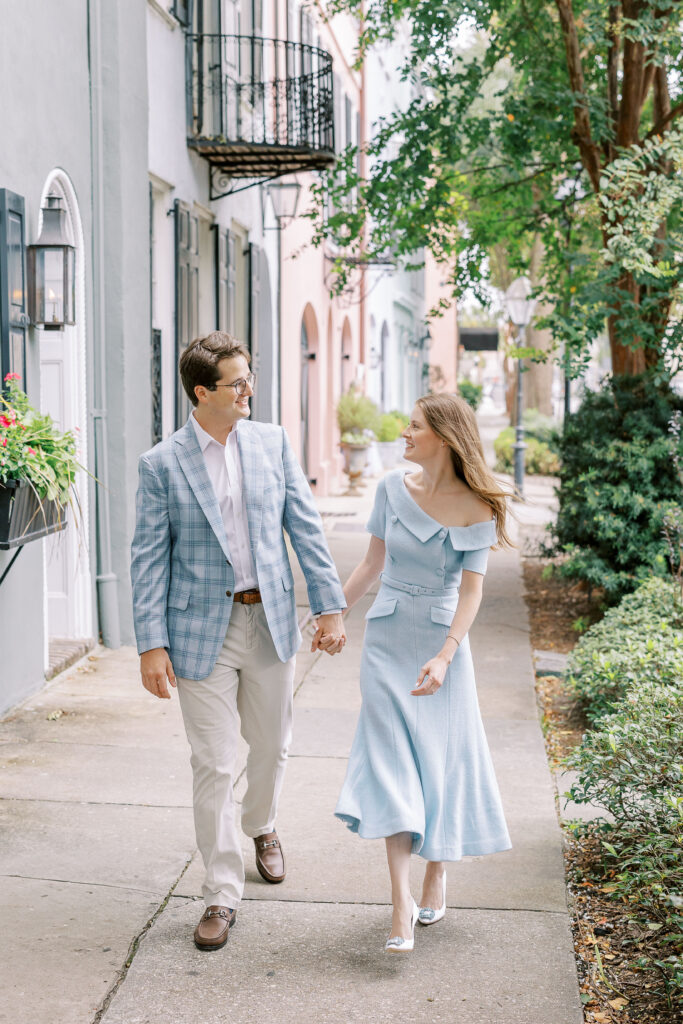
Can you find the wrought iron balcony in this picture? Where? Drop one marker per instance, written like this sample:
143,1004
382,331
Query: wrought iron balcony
259,107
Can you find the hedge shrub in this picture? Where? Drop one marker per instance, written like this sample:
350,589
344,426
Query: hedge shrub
618,480
639,639
631,765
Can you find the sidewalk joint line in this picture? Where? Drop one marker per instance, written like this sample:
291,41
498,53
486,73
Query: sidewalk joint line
77,881
133,948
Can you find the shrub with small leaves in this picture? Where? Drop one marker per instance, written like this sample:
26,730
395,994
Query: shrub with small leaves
639,640
618,482
631,766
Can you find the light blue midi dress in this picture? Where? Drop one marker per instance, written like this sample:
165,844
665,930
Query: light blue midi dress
421,764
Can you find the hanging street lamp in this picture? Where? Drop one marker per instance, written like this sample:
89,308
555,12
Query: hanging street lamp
51,271
519,306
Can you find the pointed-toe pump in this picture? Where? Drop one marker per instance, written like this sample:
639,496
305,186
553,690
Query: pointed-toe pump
427,915
397,944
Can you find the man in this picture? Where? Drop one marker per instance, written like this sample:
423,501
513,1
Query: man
214,608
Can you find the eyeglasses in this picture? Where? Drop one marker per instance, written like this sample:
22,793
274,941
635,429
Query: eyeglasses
240,385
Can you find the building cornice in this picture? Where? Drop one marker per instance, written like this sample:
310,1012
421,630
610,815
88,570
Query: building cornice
161,11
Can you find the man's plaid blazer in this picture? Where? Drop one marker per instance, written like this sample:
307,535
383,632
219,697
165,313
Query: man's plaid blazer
182,575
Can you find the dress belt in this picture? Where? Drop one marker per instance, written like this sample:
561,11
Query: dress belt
412,588
248,597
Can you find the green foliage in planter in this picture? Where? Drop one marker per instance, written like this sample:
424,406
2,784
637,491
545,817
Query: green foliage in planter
639,640
354,437
390,427
631,766
402,417
356,413
32,449
540,435
471,392
618,481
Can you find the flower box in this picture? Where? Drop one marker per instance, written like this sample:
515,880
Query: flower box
24,517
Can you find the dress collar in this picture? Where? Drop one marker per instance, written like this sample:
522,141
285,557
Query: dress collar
415,519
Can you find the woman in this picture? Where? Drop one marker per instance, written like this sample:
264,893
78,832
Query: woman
420,774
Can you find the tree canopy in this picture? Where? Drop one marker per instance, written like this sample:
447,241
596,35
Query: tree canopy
532,123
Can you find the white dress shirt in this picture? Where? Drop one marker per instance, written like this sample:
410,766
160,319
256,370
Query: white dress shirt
224,466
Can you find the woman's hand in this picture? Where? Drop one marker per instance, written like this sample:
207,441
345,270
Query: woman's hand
431,676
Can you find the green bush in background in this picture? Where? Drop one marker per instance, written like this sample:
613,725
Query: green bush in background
639,639
618,482
402,417
390,427
471,392
540,455
356,413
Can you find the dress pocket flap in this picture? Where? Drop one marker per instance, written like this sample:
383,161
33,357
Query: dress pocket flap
384,606
444,616
179,597
287,582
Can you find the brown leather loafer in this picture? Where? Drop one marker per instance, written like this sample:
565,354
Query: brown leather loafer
212,931
270,860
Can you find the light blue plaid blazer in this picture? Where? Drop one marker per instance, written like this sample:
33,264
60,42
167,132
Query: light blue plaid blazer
181,570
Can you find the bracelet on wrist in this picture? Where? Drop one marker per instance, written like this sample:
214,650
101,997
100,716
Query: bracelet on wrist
451,637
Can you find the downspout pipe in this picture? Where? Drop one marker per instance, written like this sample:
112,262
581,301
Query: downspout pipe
107,582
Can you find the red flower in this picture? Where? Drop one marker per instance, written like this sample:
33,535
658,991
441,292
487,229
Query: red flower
12,376
4,442
5,422
32,451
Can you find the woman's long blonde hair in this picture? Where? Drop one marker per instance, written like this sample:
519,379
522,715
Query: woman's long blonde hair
453,421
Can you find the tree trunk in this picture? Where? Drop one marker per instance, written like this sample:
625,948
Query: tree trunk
538,377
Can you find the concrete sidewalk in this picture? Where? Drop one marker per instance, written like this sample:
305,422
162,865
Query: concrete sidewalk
100,870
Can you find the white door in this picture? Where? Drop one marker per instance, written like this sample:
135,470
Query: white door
68,587
57,350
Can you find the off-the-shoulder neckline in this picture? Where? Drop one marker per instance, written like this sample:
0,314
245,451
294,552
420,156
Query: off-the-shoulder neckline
442,526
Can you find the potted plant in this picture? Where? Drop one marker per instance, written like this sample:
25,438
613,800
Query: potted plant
389,442
38,467
358,420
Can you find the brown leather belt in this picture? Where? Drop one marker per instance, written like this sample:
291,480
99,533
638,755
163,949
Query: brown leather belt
248,597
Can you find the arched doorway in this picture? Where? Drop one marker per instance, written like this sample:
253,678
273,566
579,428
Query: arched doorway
68,585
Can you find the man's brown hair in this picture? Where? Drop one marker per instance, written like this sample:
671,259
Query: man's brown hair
199,361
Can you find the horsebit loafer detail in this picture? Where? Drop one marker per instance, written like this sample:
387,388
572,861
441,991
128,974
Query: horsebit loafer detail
270,860
214,927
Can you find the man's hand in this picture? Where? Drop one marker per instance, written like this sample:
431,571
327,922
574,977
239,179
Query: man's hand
330,634
155,669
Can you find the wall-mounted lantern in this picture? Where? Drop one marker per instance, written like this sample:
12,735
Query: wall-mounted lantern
51,271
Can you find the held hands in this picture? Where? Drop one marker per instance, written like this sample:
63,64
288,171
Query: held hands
431,676
330,635
155,669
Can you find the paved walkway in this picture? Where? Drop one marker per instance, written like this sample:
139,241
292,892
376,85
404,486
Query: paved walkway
99,867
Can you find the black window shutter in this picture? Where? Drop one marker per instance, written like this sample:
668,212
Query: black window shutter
186,293
13,318
225,280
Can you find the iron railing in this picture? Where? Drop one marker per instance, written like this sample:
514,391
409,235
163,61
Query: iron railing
260,106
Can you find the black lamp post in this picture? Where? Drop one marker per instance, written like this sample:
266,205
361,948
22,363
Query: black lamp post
520,309
52,271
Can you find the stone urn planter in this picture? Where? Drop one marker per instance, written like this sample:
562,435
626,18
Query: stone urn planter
355,459
24,516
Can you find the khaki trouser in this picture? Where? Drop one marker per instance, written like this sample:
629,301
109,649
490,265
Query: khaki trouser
250,690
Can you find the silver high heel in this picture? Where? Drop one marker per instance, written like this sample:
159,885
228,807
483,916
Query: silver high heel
428,915
397,944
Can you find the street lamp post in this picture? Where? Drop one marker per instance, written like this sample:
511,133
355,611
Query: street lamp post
284,198
520,309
